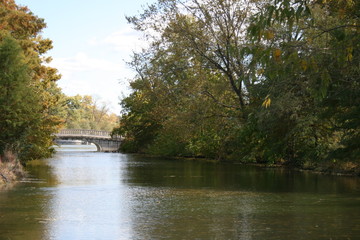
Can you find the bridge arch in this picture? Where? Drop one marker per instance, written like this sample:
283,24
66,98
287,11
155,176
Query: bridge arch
98,147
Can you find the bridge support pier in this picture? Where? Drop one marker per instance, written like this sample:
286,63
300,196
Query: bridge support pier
104,145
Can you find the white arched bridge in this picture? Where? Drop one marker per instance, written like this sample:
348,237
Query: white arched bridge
102,139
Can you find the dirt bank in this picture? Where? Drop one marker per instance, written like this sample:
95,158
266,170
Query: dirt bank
11,169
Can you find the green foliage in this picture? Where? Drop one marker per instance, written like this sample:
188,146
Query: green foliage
268,81
314,57
29,94
20,106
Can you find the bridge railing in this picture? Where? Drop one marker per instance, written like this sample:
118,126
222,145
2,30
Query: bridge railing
84,132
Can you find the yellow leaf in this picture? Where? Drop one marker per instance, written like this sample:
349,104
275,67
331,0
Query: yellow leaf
260,71
267,102
277,54
349,56
269,35
304,65
342,12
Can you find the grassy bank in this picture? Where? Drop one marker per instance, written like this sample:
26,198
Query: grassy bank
10,168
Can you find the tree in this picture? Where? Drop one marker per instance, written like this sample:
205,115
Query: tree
21,25
263,81
308,75
83,112
20,106
172,110
214,31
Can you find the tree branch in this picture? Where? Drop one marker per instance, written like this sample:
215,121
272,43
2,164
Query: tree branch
207,93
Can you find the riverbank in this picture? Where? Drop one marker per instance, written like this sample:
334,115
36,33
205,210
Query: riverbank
11,169
331,168
334,168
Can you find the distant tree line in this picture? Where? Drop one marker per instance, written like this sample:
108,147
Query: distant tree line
271,81
85,112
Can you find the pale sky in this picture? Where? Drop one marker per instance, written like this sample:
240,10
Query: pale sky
92,41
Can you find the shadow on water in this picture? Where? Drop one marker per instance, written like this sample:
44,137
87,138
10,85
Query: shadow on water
23,208
195,200
222,176
81,194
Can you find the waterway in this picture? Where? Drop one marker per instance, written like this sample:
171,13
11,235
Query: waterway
79,194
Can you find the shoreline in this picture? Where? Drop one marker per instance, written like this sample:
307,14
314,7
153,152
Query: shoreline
12,171
350,169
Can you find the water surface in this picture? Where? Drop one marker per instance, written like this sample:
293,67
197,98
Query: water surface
89,195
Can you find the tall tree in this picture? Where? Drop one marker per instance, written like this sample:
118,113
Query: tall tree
212,30
20,106
178,100
23,26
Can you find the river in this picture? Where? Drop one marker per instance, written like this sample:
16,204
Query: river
79,194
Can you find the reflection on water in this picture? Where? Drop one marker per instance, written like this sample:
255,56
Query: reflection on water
89,195
76,148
